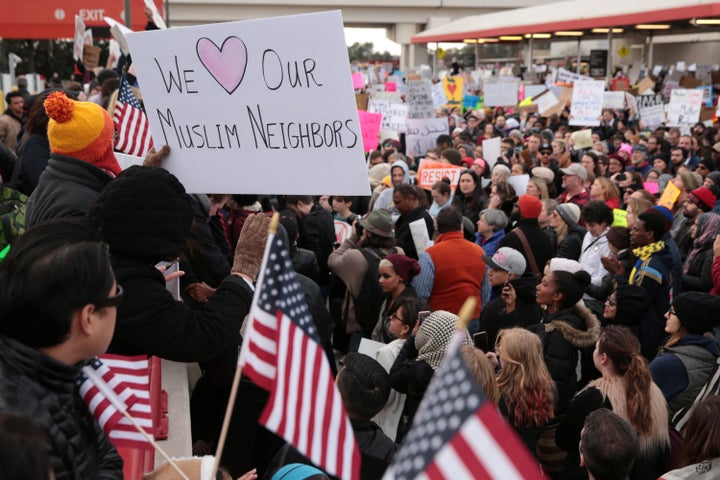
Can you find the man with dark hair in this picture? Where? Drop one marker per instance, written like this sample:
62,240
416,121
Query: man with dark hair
451,270
12,121
608,446
317,233
58,306
652,272
530,155
407,202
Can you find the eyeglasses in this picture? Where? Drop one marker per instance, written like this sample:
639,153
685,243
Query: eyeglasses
672,311
394,316
113,301
611,302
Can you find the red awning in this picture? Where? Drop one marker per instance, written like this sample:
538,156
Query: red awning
570,15
52,19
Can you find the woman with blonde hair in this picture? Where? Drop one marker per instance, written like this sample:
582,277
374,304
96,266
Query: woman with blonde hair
526,388
625,387
604,189
483,370
537,187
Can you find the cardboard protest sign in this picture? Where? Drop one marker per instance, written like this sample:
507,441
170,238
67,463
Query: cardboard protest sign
453,88
645,84
361,100
499,92
669,196
370,127
587,103
651,109
118,31
246,111
686,81
614,100
422,134
430,172
419,98
582,139
91,56
684,107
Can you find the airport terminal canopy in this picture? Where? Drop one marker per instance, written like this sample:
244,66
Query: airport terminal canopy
573,18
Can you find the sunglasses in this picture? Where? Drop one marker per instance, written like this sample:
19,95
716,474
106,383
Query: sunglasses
113,301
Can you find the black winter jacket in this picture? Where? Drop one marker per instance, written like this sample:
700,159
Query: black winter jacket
67,188
36,385
151,322
571,246
541,245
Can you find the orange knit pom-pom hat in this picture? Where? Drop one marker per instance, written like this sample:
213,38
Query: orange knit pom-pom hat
82,130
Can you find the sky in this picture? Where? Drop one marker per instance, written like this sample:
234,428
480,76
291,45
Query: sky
381,42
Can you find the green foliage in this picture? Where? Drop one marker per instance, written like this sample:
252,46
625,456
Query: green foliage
365,52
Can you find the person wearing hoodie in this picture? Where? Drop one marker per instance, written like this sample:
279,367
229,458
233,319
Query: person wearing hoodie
399,175
565,329
688,357
515,304
570,235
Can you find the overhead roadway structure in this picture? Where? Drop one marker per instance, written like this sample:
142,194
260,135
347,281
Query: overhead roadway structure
693,20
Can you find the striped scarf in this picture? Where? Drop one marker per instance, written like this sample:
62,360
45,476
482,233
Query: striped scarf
643,254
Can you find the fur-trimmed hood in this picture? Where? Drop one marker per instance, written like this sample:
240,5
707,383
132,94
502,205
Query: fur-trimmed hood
578,325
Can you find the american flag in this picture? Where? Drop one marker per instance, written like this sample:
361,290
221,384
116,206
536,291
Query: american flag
456,433
112,383
131,124
282,354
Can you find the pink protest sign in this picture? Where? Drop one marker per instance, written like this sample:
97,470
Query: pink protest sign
358,81
651,187
370,128
390,87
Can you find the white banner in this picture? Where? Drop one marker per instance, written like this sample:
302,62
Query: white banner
684,107
261,106
587,103
422,134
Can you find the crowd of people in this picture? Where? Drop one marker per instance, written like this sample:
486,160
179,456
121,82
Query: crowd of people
593,330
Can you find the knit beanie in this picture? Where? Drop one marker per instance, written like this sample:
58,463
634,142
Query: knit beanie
714,176
697,311
529,206
569,212
405,266
82,130
632,302
144,214
691,180
297,471
665,212
703,198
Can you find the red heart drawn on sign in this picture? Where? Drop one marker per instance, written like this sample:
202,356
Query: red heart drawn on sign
227,63
451,88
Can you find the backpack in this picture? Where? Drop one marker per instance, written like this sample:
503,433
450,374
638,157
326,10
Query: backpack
370,297
12,215
711,387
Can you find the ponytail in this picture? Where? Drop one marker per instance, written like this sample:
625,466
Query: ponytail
637,394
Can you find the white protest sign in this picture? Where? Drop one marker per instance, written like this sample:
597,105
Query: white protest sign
533,90
419,232
439,97
419,98
387,96
587,101
614,100
500,92
651,109
127,161
684,107
566,76
519,183
422,134
394,114
246,111
545,102
491,150
79,38
118,31
631,102
156,18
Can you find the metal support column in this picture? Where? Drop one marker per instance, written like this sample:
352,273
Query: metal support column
579,57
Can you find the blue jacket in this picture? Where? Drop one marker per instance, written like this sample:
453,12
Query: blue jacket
668,371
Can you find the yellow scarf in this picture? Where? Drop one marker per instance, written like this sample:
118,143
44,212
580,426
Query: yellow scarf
643,254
